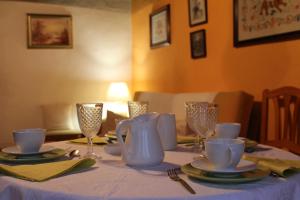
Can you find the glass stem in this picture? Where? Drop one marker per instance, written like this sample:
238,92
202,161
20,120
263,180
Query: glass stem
90,146
198,142
202,147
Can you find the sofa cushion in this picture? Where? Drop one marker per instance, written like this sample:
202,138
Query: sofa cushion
233,106
229,106
110,123
158,102
57,116
178,101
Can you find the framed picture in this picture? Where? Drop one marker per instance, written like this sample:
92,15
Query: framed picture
197,12
261,21
49,31
160,27
198,44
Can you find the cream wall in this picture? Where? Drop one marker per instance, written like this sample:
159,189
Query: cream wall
32,77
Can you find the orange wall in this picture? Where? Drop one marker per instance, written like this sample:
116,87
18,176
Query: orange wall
172,69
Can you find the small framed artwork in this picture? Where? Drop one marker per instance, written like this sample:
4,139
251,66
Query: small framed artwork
160,27
197,12
49,31
198,44
263,21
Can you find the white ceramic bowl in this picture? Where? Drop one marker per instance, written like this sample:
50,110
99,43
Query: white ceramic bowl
29,140
228,130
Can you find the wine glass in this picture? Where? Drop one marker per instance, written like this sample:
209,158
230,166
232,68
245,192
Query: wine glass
201,117
136,108
90,119
192,116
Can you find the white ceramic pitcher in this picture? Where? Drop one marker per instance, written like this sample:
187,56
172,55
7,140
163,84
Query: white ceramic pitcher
167,131
142,146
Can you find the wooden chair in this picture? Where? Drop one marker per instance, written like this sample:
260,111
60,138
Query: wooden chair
286,119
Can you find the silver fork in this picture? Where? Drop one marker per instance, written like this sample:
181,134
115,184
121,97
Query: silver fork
173,175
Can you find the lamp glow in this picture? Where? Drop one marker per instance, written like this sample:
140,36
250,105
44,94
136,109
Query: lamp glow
118,91
117,96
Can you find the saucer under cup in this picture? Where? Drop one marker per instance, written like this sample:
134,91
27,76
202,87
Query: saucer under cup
206,166
14,150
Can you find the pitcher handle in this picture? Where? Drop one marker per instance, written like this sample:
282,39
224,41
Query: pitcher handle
121,129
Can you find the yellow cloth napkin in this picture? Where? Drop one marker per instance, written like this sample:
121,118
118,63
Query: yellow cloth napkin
96,140
45,171
249,143
281,167
183,139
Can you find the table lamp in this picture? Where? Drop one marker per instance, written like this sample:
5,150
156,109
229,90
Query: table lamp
117,97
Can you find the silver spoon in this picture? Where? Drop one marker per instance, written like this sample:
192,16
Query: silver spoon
74,153
200,157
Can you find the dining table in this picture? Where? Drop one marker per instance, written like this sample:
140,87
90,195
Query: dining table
110,178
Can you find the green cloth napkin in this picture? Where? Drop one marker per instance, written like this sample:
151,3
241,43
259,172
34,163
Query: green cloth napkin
283,168
96,140
45,171
21,159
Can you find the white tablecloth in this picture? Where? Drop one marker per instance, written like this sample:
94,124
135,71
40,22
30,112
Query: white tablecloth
112,179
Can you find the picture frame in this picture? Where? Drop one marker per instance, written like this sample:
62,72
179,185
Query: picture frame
49,31
198,44
160,27
258,22
197,12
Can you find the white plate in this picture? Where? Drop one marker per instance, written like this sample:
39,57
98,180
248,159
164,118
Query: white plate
205,165
16,151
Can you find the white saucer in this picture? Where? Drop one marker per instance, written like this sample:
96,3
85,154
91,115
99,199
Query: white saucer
16,151
205,165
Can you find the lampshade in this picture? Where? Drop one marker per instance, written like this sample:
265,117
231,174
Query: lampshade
118,91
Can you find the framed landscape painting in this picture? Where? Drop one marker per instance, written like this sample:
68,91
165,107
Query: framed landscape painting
261,21
197,12
198,44
49,31
160,27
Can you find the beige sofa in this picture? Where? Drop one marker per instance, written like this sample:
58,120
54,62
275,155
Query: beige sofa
233,106
60,120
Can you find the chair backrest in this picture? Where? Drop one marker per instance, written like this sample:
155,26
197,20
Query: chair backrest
281,105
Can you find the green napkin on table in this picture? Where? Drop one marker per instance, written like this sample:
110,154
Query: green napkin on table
96,140
283,168
45,171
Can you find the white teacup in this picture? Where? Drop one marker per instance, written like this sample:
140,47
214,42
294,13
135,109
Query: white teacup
29,140
227,130
224,153
167,131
